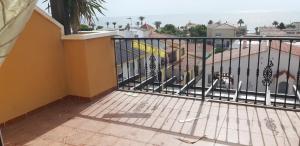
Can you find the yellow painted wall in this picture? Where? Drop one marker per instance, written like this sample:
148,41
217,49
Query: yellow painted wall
43,68
34,73
76,62
96,56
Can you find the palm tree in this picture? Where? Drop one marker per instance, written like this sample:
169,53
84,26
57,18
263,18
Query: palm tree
114,23
281,26
59,13
107,24
71,12
137,24
141,18
256,30
275,23
120,26
210,22
240,22
157,24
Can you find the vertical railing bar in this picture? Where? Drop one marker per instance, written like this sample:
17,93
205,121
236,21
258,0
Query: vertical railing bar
172,63
1,139
116,64
159,64
180,61
278,65
152,63
127,61
166,61
140,73
230,58
297,85
133,66
239,69
269,52
288,73
121,57
146,64
221,69
187,66
195,53
248,71
213,67
257,70
203,69
116,67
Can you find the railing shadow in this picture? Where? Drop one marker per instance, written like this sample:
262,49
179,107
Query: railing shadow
218,122
189,119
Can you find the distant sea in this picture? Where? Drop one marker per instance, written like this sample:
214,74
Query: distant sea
251,19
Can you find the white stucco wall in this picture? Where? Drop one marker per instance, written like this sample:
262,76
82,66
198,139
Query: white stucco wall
253,67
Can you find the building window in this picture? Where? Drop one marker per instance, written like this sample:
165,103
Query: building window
282,87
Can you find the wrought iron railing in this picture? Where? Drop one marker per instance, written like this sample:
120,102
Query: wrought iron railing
263,71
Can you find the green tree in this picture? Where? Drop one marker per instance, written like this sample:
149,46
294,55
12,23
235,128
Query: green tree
157,24
210,22
198,31
84,27
107,24
127,27
137,24
60,14
169,29
114,23
99,27
241,31
256,31
141,18
281,26
240,22
71,12
290,26
275,23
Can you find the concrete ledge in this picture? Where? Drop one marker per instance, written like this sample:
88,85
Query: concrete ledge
91,35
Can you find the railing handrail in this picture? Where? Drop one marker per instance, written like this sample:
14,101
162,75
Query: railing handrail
229,38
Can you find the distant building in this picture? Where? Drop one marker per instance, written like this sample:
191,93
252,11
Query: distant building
222,30
190,25
145,30
293,31
242,56
271,31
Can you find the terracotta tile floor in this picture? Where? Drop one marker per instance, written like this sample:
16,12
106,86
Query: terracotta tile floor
122,119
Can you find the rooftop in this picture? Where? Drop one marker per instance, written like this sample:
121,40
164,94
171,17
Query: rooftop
124,118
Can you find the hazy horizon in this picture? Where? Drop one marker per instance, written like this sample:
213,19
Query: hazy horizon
254,12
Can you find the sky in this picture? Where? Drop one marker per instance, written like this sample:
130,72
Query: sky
116,8
253,12
166,7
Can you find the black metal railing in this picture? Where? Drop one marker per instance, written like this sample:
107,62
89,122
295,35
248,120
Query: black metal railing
262,70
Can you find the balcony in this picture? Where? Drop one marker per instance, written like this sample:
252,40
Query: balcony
256,71
125,118
172,91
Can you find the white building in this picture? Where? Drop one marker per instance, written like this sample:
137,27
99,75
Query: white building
262,55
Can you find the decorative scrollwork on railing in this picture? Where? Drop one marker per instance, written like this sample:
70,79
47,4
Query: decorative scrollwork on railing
152,65
267,73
